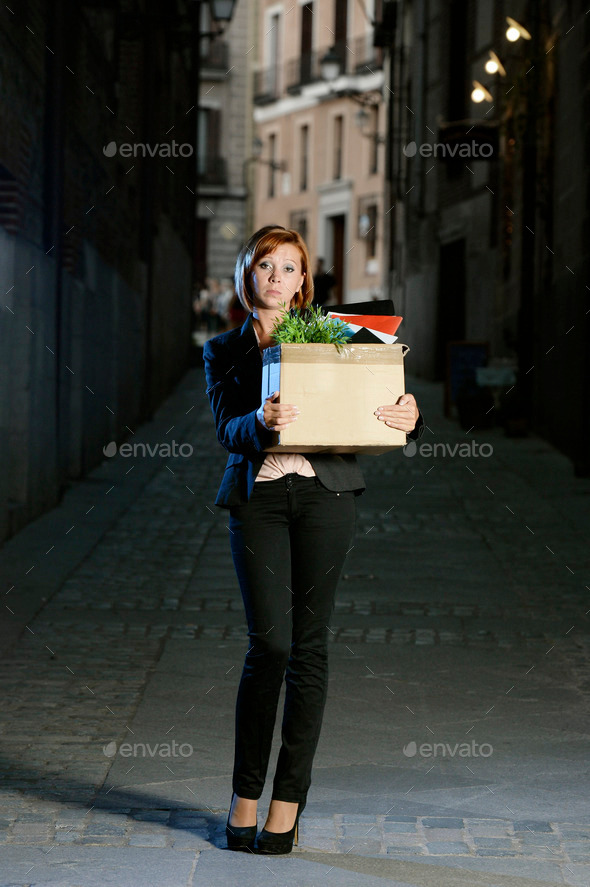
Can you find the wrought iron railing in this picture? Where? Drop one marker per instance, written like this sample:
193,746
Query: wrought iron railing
357,56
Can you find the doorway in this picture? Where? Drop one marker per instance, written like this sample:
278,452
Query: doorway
337,231
450,320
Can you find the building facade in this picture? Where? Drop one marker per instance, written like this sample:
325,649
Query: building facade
321,163
97,176
225,133
490,244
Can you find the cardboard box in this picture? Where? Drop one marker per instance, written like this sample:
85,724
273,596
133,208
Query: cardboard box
337,392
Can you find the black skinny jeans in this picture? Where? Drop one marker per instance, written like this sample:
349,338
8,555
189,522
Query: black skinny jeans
288,543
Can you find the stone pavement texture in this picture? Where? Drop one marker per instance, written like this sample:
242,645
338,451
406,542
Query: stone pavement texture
455,744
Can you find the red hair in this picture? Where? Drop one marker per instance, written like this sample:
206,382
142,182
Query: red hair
262,243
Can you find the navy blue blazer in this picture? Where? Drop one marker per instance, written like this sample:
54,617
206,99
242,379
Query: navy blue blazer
233,372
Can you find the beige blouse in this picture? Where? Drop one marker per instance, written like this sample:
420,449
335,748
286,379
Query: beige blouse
278,464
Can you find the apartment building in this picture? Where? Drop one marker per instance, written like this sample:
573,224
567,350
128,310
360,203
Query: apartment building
225,140
321,141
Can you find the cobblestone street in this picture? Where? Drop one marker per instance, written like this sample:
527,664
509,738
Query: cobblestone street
454,749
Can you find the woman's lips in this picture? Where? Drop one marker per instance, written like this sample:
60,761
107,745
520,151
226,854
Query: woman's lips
274,292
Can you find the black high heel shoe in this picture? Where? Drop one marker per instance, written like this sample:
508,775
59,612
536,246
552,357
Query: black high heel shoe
240,837
280,842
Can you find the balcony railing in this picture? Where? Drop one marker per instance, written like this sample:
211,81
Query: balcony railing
212,171
266,85
365,58
215,55
303,70
357,56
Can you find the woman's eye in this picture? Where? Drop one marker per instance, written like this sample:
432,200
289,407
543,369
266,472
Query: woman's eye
267,265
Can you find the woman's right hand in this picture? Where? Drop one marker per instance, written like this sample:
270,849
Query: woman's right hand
276,416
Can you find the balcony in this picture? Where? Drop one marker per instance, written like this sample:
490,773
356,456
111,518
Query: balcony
212,171
303,70
215,55
357,57
266,85
363,57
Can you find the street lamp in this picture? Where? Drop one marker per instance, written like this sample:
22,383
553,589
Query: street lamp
361,118
480,93
494,65
515,31
330,65
222,10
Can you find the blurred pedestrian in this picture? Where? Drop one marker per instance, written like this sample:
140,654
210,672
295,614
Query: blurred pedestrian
323,282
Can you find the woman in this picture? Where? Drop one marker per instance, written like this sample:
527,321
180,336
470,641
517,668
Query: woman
291,524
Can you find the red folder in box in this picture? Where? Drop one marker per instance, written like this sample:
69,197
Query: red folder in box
383,326
372,321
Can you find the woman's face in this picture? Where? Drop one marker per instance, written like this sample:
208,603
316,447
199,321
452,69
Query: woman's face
276,277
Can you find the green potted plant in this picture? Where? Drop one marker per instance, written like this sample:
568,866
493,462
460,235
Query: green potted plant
310,325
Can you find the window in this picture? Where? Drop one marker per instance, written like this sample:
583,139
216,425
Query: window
374,130
273,37
340,22
306,42
272,172
367,221
371,236
210,165
298,221
304,157
338,136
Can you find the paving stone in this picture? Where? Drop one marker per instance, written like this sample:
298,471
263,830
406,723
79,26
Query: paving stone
440,822
189,839
66,837
446,848
100,829
407,827
522,825
148,840
445,834
494,843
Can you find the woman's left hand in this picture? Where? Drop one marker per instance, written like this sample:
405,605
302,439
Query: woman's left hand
402,415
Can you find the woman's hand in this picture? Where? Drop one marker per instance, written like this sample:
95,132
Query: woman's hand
276,416
402,415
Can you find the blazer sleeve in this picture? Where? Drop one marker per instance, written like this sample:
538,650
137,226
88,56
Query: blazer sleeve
418,430
237,431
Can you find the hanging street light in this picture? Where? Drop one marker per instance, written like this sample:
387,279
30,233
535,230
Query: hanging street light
480,93
515,31
494,65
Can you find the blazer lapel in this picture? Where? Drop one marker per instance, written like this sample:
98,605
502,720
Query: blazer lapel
247,345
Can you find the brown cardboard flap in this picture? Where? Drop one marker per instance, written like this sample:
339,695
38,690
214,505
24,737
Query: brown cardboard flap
317,352
337,391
